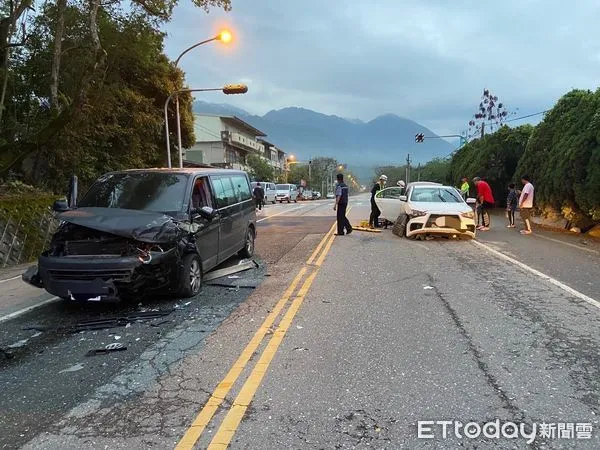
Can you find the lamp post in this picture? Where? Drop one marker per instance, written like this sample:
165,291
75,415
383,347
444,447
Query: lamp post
223,36
228,89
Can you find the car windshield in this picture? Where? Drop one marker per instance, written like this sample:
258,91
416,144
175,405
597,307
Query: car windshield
148,191
435,195
283,187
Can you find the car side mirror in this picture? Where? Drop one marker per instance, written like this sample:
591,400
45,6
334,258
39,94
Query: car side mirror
206,212
403,198
471,201
60,206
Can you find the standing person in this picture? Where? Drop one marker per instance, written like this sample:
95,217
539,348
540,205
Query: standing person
486,201
341,204
465,187
526,203
512,200
259,196
375,212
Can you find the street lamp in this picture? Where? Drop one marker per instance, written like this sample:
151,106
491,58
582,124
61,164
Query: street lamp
225,37
228,89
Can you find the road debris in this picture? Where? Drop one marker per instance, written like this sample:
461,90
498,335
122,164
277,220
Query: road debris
242,266
74,368
114,347
100,324
428,287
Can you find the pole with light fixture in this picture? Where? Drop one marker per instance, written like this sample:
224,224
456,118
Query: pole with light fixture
223,36
228,89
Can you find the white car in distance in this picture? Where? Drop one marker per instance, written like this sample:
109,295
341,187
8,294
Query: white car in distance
427,209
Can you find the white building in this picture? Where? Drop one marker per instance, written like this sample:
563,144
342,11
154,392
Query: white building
227,141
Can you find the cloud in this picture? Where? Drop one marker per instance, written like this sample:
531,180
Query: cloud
428,61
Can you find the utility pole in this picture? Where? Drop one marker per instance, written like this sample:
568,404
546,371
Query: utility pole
419,172
408,169
482,129
309,173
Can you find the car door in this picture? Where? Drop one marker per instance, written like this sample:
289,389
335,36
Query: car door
223,190
207,231
246,209
388,202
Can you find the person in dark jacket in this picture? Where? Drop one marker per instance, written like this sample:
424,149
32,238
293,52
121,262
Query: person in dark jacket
375,211
341,204
259,195
512,200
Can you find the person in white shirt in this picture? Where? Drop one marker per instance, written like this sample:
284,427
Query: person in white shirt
526,203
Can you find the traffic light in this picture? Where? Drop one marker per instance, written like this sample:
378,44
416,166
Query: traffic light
420,137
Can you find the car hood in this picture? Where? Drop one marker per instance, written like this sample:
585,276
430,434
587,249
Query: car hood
440,208
144,226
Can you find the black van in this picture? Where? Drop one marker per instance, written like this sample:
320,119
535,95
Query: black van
137,231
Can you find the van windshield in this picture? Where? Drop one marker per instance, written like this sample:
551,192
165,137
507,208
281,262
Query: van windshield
283,187
148,191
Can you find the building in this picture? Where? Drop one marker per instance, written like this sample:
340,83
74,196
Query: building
227,141
274,155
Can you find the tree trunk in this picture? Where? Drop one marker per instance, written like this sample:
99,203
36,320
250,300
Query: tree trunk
60,28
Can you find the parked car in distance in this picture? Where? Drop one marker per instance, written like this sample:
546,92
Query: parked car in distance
316,195
427,209
149,230
269,189
330,195
287,193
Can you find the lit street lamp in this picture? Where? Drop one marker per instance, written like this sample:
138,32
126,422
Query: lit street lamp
225,37
228,89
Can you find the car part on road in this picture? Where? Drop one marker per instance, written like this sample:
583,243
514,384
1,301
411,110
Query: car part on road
114,347
361,228
100,324
230,270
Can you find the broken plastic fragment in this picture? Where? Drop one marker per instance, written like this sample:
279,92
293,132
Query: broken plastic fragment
427,287
74,368
94,299
70,295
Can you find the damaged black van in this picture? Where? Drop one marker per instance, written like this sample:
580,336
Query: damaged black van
147,230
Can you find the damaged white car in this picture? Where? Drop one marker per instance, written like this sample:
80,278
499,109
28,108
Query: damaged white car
427,209
141,231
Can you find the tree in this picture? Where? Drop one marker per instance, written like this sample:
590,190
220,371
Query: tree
491,113
260,169
563,157
494,158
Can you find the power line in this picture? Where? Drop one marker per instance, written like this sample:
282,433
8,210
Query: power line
529,115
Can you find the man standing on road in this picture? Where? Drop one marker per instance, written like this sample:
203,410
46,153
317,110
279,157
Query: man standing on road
526,203
464,187
258,195
486,201
341,204
375,212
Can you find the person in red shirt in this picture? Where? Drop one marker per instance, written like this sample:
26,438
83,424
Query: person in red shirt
485,200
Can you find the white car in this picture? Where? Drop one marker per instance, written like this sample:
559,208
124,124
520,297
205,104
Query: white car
427,209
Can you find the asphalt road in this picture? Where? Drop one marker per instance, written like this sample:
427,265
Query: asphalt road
347,342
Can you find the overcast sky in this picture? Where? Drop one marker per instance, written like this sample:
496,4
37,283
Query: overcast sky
428,60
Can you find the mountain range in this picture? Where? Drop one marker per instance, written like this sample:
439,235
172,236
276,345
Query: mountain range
385,140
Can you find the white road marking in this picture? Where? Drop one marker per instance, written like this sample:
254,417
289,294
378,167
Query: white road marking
10,279
29,308
548,278
579,247
282,212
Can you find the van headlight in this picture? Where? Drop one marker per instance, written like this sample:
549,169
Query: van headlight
468,214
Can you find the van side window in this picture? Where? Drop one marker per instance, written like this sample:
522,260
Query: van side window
228,192
219,192
242,190
201,195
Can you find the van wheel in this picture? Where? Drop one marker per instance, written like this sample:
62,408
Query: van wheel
274,201
248,250
190,276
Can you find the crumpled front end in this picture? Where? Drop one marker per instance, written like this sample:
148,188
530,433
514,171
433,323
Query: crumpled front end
441,224
92,265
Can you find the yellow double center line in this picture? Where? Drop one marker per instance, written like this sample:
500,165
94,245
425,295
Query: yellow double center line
234,416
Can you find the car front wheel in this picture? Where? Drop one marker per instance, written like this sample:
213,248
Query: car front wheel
190,276
248,250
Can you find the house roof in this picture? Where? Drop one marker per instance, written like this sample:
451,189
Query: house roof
239,123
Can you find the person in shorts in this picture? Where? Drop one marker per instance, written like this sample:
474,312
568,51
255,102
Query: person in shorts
526,204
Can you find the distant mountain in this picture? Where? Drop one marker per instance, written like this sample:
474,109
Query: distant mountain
385,140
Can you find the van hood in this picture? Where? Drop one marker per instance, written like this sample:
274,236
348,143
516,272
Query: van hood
144,226
440,208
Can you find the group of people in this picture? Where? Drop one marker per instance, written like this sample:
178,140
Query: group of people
516,199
